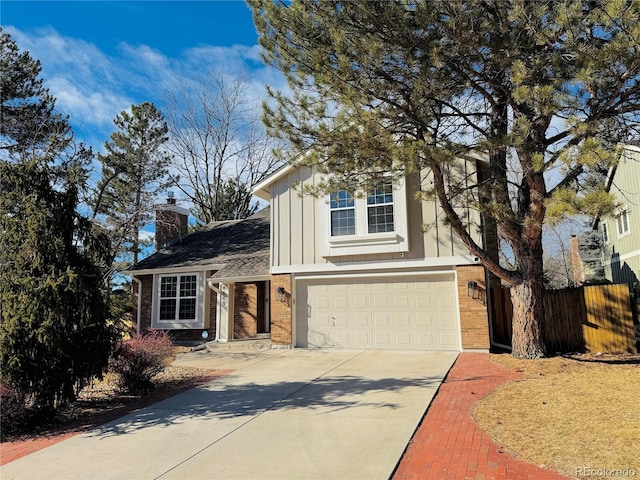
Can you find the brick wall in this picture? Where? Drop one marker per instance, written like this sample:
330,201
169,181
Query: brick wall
245,317
474,319
281,317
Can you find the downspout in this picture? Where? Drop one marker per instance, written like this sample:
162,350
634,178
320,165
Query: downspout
139,302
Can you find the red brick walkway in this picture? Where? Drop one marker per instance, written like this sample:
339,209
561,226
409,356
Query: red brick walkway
450,445
10,451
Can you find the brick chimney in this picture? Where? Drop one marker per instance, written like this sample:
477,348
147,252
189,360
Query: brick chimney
171,222
576,261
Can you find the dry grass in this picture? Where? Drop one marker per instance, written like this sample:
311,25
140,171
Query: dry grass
568,412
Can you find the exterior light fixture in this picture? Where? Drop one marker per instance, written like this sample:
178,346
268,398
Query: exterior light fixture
472,289
280,294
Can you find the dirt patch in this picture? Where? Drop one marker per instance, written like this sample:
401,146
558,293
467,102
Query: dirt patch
569,413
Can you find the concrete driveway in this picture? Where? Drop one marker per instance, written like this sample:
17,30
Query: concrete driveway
282,414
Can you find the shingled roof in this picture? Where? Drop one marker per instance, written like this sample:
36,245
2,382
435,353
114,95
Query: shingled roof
242,246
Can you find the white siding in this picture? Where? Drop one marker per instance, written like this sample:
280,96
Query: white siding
297,233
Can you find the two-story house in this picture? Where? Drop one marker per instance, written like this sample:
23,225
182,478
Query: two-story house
379,269
621,231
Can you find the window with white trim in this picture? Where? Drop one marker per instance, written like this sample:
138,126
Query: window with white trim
368,222
622,221
380,208
178,298
379,211
343,214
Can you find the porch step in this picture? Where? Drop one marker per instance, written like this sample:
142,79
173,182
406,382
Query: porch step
239,345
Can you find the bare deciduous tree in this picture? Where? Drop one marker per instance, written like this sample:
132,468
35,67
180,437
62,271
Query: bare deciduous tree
219,145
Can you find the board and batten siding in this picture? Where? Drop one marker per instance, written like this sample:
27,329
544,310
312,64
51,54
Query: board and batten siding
297,236
623,253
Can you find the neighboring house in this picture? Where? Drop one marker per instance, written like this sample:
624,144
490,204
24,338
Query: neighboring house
382,270
621,231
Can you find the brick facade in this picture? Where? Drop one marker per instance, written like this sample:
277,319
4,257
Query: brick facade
281,314
474,317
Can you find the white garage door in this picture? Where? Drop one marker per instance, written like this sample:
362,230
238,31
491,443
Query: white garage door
413,313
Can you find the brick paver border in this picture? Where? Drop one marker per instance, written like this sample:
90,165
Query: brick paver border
449,444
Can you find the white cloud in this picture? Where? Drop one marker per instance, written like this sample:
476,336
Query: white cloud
88,105
92,87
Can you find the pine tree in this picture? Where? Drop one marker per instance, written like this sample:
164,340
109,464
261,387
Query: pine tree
54,332
546,89
134,171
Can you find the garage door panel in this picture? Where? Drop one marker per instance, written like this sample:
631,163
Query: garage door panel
425,339
446,301
380,302
401,319
341,338
447,320
361,339
424,320
340,319
449,339
340,302
320,302
423,302
360,302
401,301
410,313
380,319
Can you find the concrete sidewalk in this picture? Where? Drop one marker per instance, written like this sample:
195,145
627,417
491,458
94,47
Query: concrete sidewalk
285,414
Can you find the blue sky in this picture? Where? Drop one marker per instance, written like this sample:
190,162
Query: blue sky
100,57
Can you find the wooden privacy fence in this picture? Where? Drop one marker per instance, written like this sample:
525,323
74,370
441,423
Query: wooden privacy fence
582,319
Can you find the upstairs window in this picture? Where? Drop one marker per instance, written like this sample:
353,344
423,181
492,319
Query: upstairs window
343,214
371,222
622,221
380,208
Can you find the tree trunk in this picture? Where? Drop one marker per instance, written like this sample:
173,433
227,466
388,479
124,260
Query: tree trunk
528,319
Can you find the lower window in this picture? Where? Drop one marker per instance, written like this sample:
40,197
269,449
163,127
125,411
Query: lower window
178,298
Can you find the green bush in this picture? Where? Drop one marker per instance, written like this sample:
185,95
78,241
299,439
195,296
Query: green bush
138,360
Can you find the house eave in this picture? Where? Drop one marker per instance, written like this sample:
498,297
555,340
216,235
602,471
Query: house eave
176,269
227,280
263,189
